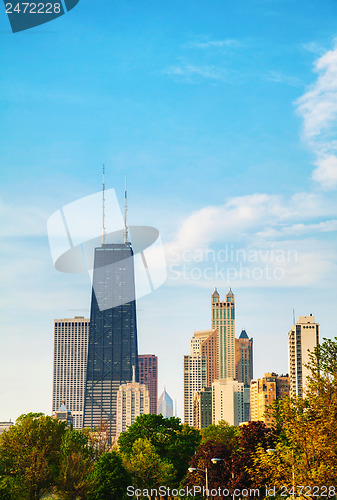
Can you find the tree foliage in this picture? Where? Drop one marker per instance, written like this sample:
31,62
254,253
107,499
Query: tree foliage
306,452
75,478
173,441
29,454
111,478
146,467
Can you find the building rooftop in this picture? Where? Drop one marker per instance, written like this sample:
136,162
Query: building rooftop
243,335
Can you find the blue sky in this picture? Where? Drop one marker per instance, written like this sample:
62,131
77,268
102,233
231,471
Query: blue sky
223,114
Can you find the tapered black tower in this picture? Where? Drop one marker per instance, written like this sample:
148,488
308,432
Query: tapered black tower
113,333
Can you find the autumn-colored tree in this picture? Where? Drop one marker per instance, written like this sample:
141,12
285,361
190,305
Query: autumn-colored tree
250,437
306,452
76,479
219,473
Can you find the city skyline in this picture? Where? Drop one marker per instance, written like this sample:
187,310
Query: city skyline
223,116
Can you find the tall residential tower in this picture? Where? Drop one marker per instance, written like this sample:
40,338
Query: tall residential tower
223,319
303,336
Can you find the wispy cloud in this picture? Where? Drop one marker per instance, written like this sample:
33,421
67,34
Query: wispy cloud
228,43
278,77
190,73
318,107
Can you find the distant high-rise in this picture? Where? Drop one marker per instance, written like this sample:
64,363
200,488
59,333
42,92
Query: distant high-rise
112,347
165,404
227,401
64,414
244,368
148,375
303,336
132,400
70,364
263,391
202,408
244,359
223,319
203,343
195,377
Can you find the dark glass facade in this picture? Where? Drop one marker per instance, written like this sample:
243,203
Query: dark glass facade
112,350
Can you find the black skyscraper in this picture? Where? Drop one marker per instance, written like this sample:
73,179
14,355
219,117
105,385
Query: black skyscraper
113,347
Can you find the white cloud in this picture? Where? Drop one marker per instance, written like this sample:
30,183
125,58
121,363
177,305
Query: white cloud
326,172
253,240
318,107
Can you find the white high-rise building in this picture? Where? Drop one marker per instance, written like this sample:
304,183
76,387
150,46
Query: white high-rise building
228,401
303,337
165,405
195,378
70,364
132,400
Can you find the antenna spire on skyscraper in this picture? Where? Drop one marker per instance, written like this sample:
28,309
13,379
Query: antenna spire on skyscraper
125,212
103,209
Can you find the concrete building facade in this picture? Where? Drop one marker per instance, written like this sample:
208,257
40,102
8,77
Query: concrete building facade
227,401
202,408
148,375
69,365
132,400
195,376
263,391
303,336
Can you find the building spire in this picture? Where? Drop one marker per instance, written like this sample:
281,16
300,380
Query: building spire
125,212
103,208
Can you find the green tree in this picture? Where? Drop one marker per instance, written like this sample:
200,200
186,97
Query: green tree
220,433
146,467
29,455
111,477
173,441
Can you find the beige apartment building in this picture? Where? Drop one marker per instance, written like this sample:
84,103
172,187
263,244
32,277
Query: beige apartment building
227,401
303,337
200,368
132,400
263,391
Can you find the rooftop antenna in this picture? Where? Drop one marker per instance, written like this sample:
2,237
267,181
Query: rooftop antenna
294,317
103,207
125,212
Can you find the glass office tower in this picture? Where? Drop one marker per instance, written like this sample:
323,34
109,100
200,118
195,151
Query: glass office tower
112,350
